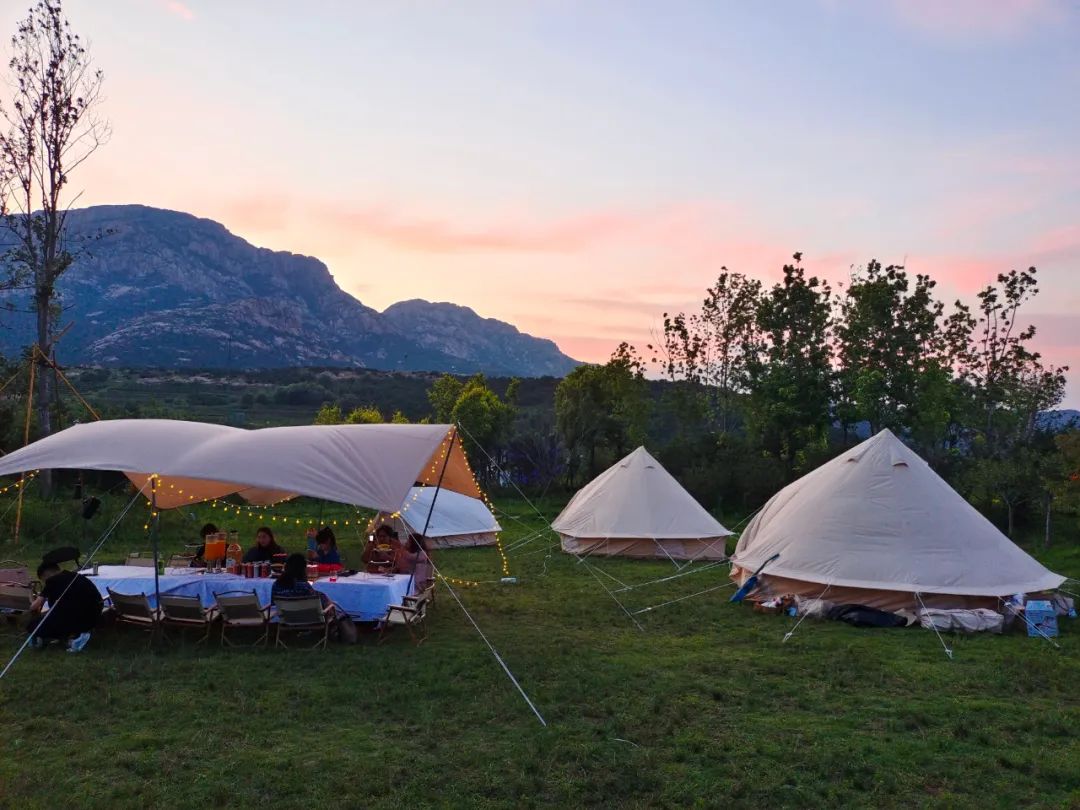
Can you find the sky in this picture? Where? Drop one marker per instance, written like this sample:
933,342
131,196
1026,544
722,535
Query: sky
580,168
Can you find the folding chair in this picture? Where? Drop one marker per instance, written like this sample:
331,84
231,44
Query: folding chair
13,572
15,601
135,558
187,612
303,613
180,561
241,609
135,610
412,615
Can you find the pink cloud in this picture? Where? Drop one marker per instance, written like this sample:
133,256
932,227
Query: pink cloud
976,19
178,9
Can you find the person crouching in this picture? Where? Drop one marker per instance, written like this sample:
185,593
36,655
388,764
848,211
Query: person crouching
74,608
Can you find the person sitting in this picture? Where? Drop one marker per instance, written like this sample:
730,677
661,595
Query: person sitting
198,561
265,547
381,550
74,608
326,550
412,559
293,583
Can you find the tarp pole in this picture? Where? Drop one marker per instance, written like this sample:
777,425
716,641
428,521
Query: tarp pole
154,532
431,509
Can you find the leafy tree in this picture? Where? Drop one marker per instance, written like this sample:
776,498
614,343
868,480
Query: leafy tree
791,376
484,420
52,130
329,415
398,418
443,396
365,415
889,341
602,406
709,352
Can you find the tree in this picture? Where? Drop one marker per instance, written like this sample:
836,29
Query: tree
602,406
484,420
329,415
443,395
889,339
365,415
710,351
52,130
398,418
791,375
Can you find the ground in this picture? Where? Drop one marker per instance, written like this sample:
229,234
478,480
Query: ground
704,706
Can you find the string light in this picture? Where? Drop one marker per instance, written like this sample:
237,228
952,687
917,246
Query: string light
22,482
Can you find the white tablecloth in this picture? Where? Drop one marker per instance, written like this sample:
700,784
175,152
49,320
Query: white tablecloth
363,596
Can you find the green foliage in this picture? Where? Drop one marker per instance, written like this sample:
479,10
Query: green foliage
365,415
791,376
484,419
443,396
602,407
329,415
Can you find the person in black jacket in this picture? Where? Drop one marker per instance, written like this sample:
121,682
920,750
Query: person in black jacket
265,547
74,608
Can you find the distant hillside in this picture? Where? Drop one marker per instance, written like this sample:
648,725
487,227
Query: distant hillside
155,288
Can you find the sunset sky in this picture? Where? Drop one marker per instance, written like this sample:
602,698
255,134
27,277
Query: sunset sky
579,168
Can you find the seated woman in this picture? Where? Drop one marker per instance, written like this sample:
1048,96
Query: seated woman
265,547
198,561
293,582
326,550
412,559
381,550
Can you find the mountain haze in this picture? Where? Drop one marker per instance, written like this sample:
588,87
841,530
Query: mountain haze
166,289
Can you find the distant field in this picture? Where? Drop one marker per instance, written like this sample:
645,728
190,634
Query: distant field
704,707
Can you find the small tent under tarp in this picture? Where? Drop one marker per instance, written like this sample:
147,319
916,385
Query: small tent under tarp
877,527
636,508
457,521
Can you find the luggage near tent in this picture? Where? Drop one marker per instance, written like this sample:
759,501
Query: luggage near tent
877,527
637,509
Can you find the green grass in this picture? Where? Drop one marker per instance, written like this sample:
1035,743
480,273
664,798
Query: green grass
705,707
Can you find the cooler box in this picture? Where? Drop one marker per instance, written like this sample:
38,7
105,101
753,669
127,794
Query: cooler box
1041,619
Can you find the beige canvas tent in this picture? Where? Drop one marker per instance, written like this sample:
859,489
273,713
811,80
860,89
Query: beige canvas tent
456,521
876,526
637,509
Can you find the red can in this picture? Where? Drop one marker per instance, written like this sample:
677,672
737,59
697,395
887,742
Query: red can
247,570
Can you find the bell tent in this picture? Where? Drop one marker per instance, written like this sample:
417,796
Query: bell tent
637,509
876,526
456,521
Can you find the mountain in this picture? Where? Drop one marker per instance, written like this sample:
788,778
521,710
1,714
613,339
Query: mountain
166,289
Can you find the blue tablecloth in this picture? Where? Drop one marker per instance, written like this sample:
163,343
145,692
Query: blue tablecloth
363,596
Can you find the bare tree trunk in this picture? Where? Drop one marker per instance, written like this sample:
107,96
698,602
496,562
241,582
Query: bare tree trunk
1047,501
44,389
1009,506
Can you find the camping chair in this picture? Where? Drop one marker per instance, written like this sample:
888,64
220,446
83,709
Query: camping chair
180,561
187,612
412,615
13,572
302,613
15,600
134,609
241,609
135,558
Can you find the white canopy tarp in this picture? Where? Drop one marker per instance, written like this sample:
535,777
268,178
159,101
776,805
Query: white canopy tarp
455,515
633,508
878,518
373,466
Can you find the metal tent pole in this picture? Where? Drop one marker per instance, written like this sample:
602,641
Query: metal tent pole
154,532
431,509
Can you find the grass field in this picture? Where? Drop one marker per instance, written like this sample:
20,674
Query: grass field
703,707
